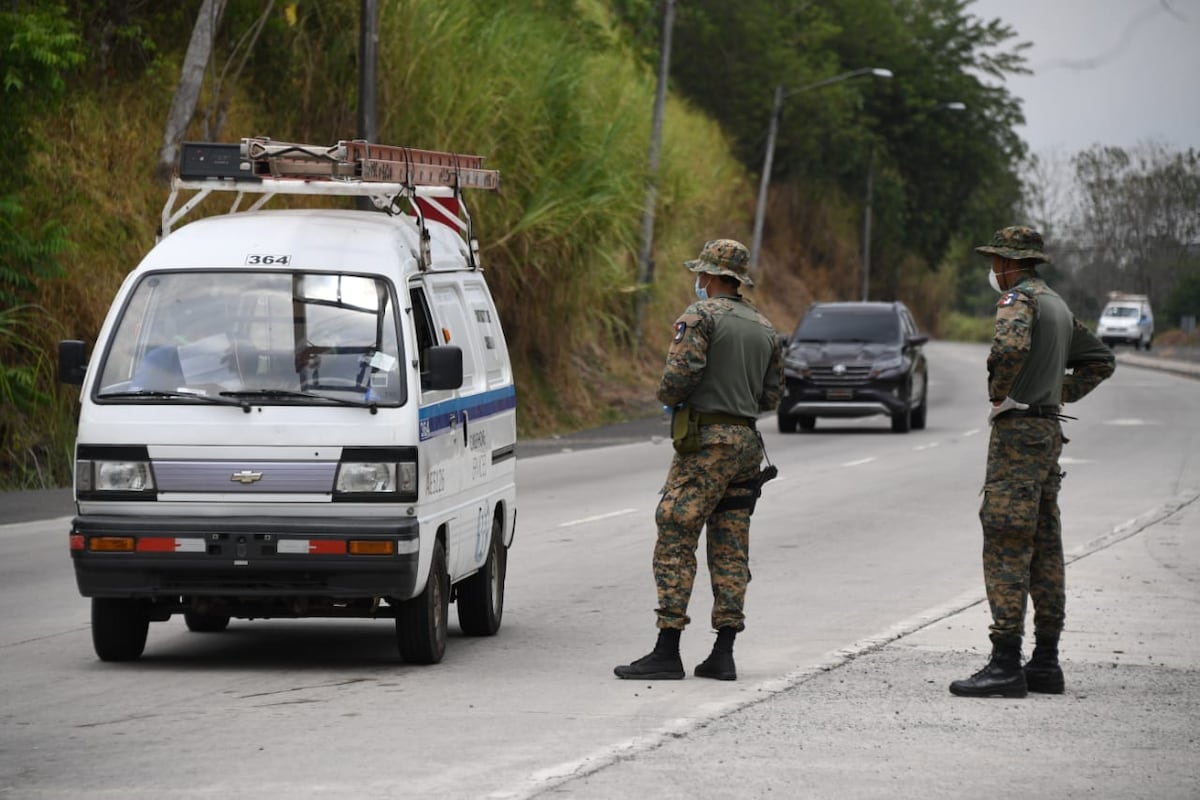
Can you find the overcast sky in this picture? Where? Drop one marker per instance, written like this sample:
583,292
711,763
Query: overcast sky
1112,72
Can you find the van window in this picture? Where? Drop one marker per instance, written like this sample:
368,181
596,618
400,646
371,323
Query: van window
258,334
490,336
422,325
450,306
1121,311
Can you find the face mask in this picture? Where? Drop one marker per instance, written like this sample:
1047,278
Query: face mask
701,292
993,282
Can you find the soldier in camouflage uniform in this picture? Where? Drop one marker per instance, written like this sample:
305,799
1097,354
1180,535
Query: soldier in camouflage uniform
1037,340
725,367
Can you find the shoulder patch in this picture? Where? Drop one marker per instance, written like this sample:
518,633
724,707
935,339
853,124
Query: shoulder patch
680,330
1008,298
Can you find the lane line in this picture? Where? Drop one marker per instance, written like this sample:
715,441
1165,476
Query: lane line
596,518
859,462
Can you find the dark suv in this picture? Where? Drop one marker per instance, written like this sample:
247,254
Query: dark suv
854,360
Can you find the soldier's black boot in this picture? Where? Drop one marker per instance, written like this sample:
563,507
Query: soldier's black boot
719,664
1002,677
1043,673
661,663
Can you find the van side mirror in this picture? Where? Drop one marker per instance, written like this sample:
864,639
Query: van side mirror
444,367
72,361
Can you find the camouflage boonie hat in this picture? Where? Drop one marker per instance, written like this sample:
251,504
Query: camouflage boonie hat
1018,242
723,257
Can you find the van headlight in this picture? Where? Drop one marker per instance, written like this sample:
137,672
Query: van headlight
104,478
370,474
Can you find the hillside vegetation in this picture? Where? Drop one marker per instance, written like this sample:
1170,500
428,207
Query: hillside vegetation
558,95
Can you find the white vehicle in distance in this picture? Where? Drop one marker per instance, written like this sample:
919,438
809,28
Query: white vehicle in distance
1126,319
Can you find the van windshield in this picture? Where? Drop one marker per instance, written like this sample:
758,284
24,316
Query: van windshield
1121,311
264,337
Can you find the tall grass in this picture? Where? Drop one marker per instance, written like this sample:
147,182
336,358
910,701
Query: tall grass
562,109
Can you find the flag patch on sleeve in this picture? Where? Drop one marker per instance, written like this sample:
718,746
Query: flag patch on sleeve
1007,299
680,330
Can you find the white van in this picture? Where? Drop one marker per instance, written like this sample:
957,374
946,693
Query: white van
300,413
1126,319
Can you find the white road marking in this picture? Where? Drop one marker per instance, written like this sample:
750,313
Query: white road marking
861,461
1129,422
596,518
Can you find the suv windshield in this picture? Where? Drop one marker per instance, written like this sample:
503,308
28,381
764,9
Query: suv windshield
279,337
881,326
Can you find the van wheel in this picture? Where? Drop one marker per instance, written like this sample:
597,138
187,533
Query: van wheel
119,628
481,596
205,623
421,622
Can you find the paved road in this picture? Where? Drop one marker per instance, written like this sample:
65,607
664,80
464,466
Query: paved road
867,715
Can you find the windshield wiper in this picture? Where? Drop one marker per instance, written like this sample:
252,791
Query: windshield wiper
274,394
207,398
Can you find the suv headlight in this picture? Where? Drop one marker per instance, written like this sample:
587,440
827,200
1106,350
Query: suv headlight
795,365
893,364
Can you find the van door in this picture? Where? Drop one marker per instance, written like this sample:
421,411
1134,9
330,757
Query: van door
446,425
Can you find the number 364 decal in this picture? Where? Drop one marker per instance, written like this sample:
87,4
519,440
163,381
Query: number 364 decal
258,258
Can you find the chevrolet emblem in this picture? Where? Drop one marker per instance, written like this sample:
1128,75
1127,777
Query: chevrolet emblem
246,476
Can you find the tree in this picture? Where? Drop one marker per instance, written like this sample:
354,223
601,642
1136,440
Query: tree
191,79
1139,217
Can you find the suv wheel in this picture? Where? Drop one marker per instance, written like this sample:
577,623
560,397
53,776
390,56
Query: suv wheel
787,423
807,423
902,420
917,418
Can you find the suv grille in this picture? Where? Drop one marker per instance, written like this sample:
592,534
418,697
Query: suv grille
854,375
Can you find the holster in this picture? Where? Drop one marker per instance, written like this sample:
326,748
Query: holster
685,431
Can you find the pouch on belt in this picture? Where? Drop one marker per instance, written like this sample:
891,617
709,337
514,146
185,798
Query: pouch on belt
685,431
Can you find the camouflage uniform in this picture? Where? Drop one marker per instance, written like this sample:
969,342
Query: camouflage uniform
1036,341
726,360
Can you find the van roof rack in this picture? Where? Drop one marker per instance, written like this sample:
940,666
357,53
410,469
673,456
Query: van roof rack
430,180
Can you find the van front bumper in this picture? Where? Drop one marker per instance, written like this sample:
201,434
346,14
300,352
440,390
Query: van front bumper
247,557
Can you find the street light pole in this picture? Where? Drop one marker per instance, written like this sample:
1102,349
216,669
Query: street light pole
866,242
866,245
645,254
773,130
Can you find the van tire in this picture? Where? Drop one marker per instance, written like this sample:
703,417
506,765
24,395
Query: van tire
481,596
205,623
421,622
119,628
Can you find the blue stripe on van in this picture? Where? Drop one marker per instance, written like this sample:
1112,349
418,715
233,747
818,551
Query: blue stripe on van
439,417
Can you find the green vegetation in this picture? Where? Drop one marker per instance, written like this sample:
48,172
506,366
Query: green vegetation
558,95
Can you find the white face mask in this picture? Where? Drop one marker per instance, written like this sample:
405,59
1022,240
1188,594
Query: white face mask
701,292
993,281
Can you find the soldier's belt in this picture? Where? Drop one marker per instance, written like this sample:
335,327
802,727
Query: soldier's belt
1032,411
724,419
